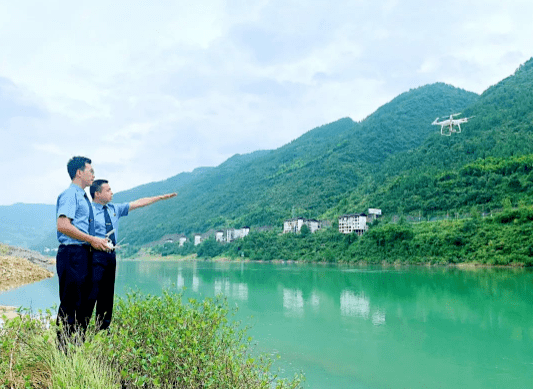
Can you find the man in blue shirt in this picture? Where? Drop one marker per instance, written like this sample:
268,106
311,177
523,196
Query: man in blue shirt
106,216
75,233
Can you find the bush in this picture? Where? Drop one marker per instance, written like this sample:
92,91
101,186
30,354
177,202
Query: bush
29,358
210,248
154,342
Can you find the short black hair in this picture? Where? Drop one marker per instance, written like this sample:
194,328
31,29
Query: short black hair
75,164
97,187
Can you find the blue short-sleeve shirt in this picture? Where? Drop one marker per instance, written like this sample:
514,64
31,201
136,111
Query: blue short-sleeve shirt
116,211
73,204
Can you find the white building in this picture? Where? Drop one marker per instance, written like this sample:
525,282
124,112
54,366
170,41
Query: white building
295,225
239,233
355,222
373,214
231,234
197,239
182,240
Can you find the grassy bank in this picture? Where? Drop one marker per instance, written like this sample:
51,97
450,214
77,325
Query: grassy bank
154,342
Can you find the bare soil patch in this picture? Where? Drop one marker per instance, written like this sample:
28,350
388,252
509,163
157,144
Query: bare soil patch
16,271
20,267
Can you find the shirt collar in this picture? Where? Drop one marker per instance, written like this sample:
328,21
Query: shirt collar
78,188
100,206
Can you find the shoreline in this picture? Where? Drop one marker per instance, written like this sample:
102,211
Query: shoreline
396,264
8,311
18,271
19,267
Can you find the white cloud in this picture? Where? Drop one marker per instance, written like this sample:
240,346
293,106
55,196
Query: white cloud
148,90
49,148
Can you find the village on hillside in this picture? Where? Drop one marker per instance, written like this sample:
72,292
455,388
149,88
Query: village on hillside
348,223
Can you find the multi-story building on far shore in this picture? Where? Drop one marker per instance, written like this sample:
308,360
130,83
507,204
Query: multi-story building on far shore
296,224
197,239
231,234
355,222
373,214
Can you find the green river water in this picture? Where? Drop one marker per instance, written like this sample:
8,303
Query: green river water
359,327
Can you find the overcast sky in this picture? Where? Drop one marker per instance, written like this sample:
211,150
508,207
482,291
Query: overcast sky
151,89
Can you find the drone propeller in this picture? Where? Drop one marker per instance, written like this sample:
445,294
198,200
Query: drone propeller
119,244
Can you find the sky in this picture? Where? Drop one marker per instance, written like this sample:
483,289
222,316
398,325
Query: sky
148,90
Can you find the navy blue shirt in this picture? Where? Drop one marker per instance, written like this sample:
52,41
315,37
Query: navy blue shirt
116,211
73,204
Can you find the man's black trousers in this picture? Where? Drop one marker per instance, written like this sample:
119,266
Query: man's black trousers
103,287
74,270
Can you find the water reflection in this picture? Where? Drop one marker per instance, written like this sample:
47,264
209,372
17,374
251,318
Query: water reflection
195,283
238,291
354,305
180,281
293,302
378,318
358,305
315,300
222,287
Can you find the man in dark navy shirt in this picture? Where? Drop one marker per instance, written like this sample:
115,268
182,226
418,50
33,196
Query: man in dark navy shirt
75,233
106,216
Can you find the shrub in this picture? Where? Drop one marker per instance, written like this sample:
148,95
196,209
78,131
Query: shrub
154,342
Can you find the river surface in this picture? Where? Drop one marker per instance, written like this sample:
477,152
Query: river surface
359,327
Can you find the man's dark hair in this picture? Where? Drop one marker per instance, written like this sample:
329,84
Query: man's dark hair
97,187
75,164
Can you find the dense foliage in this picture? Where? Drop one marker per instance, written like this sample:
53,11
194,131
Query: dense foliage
504,238
154,342
483,185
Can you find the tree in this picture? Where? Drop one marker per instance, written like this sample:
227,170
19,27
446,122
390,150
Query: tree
305,231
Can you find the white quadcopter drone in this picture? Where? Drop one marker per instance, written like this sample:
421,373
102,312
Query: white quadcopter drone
447,126
110,242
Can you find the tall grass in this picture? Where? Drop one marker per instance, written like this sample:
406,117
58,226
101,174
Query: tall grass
154,342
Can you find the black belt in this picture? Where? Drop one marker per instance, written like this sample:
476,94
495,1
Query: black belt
84,245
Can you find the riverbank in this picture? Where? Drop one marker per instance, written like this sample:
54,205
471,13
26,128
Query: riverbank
19,267
358,263
502,240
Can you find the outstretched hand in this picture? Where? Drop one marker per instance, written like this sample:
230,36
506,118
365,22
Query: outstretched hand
150,200
168,196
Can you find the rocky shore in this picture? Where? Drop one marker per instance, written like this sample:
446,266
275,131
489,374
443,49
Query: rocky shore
18,267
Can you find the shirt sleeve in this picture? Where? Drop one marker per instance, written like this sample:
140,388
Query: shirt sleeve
123,209
67,204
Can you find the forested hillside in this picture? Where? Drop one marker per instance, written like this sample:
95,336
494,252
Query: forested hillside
306,177
394,160
486,166
25,225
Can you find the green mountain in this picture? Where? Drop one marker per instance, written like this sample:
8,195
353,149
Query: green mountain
25,225
486,166
394,159
306,177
